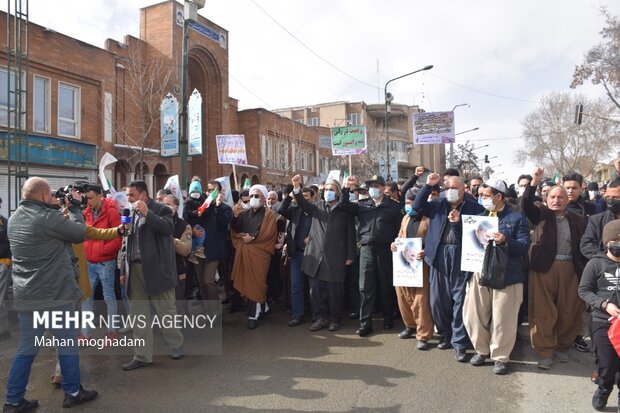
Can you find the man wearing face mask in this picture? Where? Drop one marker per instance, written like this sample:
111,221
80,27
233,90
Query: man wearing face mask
443,255
253,235
599,288
379,222
414,302
556,264
595,196
474,185
592,241
491,315
330,250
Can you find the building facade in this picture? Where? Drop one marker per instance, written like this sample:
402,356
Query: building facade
82,101
404,156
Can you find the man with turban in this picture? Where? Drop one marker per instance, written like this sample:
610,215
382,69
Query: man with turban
254,238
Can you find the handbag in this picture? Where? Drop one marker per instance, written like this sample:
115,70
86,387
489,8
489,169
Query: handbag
494,266
614,334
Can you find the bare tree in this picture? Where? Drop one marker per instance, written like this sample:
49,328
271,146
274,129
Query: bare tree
148,82
601,63
466,160
553,141
287,149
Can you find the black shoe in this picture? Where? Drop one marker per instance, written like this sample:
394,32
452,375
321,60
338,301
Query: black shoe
460,355
319,324
334,326
364,330
478,359
295,321
422,345
581,345
388,325
134,364
500,368
252,324
82,397
177,353
599,400
407,333
444,343
22,407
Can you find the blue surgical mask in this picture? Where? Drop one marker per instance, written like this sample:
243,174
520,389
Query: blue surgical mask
329,196
352,197
409,210
374,193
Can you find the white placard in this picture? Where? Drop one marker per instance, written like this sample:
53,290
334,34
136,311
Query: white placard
408,272
475,239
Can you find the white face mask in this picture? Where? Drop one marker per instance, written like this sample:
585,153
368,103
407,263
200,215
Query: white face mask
593,194
363,196
375,193
194,195
255,203
452,195
488,204
520,190
352,197
245,205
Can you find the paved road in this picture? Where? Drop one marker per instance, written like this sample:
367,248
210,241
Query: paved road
276,368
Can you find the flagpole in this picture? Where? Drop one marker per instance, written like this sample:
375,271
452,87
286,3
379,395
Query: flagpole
235,177
350,166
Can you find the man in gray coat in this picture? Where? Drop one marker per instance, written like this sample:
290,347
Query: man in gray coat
151,273
330,249
44,281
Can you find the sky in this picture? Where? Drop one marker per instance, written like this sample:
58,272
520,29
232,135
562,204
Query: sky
499,57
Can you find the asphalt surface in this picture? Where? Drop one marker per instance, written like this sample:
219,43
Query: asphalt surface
275,368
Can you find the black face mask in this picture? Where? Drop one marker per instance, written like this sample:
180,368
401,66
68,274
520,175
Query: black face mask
614,249
474,191
613,205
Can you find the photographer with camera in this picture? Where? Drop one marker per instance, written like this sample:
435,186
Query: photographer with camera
44,280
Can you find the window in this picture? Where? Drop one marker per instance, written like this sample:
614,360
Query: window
304,161
267,151
354,119
313,122
311,161
7,100
41,105
68,110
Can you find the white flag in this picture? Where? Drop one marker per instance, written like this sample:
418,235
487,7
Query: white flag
173,185
106,159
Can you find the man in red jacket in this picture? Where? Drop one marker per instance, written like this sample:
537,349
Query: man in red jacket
101,255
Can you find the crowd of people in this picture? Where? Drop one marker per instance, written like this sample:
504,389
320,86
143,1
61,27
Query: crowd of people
324,253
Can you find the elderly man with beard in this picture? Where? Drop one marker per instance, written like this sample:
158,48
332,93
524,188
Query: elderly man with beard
443,255
254,235
556,264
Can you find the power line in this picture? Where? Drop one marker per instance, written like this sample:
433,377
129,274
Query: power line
482,91
252,93
310,49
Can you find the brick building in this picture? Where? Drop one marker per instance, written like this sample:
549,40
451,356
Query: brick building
82,101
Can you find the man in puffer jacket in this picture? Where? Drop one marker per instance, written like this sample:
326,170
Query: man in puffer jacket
101,255
599,288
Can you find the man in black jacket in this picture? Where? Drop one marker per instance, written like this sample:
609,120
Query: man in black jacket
379,219
576,203
592,241
150,252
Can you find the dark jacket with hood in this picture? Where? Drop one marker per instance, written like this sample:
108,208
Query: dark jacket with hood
599,282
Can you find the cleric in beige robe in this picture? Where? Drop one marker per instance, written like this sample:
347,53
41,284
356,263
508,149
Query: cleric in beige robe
254,236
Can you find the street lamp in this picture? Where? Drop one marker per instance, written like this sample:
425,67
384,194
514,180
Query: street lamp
388,99
451,143
190,12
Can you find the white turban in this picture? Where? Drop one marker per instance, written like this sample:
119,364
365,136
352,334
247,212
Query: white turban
261,188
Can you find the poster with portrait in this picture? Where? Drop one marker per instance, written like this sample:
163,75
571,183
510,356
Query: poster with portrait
407,270
476,230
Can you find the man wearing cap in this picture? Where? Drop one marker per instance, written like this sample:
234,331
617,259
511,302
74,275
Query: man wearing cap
443,255
379,220
254,236
490,315
556,265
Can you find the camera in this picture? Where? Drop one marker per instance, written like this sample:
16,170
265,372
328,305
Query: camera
65,192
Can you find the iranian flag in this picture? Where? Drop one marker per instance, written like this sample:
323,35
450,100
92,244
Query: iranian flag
202,208
556,178
247,184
